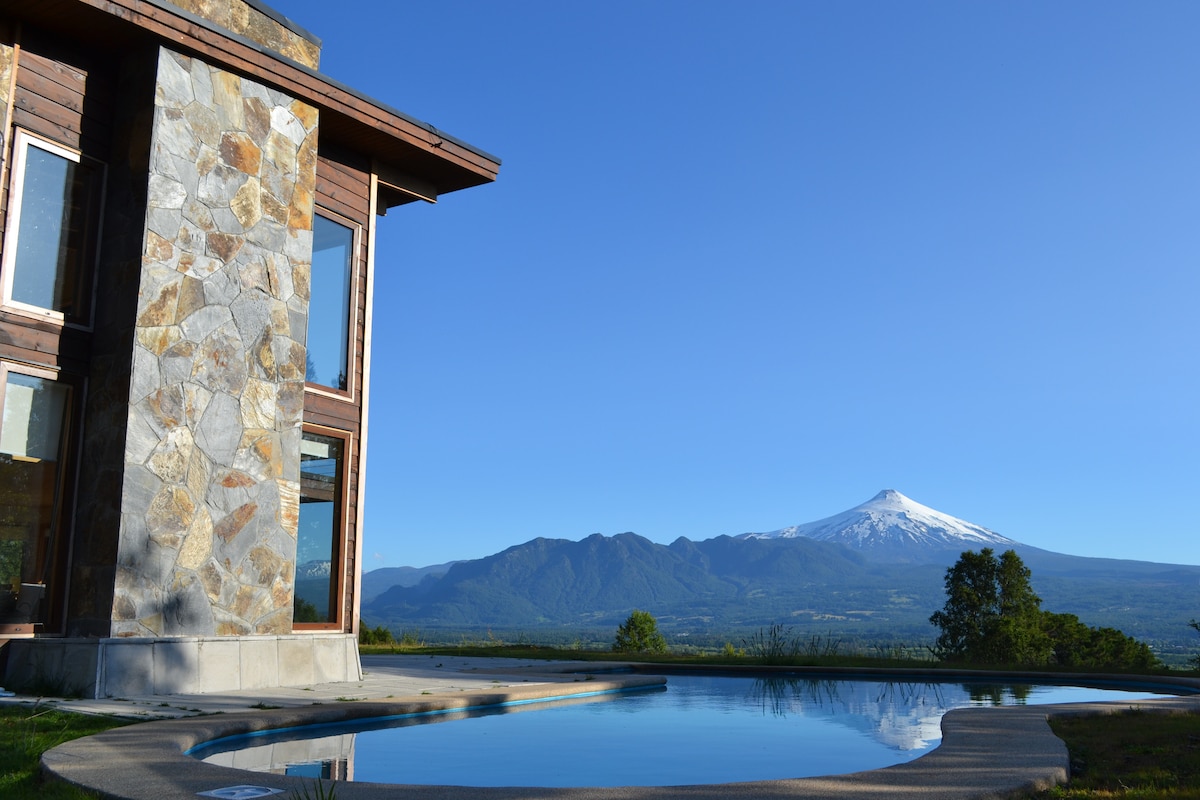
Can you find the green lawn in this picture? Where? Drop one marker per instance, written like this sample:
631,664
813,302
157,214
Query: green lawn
1137,755
28,731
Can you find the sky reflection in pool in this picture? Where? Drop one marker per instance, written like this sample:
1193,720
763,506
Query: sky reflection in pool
701,729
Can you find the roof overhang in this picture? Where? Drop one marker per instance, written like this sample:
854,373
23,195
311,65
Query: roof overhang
416,160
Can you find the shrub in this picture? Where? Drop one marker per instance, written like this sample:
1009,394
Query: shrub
639,634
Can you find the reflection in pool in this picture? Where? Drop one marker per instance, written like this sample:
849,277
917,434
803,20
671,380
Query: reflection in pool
699,729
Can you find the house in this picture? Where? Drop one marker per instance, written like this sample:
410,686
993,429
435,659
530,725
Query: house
188,210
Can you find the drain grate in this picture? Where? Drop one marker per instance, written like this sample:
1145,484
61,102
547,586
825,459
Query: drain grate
243,792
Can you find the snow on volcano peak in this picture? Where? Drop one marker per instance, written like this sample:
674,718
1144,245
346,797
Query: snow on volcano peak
890,521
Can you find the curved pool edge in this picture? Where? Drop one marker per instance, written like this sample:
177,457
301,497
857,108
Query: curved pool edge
985,752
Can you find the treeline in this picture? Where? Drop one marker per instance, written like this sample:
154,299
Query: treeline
993,617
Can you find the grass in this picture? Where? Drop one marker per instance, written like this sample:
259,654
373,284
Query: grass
1133,755
25,733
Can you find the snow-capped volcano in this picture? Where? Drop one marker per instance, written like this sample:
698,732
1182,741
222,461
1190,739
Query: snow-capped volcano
891,525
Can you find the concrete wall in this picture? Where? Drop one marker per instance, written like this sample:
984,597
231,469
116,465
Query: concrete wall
188,664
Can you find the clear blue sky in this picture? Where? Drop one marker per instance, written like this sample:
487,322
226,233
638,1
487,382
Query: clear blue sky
748,264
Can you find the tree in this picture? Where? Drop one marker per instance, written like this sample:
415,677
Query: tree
992,614
639,634
1196,625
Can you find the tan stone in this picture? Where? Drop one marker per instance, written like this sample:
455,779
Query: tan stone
247,203
213,580
258,404
169,461
264,355
153,624
301,278
167,407
227,97
277,624
258,119
273,209
198,474
124,608
279,150
235,479
158,249
268,451
290,397
159,339
233,523
239,151
170,515
161,309
231,628
204,123
250,602
191,296
282,594
197,545
268,566
293,368
289,505
300,211
305,113
224,246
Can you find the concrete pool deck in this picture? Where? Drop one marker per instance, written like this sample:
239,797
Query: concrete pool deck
985,752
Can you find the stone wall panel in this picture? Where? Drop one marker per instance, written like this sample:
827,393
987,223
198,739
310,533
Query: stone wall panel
210,503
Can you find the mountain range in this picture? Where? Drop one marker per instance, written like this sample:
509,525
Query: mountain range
873,572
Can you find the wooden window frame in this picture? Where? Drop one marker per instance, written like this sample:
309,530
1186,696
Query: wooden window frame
22,140
68,481
350,393
337,567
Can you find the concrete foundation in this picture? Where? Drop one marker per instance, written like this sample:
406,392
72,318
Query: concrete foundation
98,668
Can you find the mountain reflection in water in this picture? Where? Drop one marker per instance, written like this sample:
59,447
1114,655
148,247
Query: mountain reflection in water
701,729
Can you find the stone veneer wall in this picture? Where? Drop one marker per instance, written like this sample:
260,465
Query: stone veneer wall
242,19
210,502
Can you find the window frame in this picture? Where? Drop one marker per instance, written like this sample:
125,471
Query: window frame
338,549
350,393
22,140
57,597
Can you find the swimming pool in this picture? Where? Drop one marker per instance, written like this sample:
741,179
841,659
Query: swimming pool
700,729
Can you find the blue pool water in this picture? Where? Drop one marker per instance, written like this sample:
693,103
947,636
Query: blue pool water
699,729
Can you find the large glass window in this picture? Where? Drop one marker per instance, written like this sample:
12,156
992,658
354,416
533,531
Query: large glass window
34,432
329,304
53,229
319,538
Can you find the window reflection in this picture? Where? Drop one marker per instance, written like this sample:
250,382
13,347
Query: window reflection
319,535
32,439
58,205
329,304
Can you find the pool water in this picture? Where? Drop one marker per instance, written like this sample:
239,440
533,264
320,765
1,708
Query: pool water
699,729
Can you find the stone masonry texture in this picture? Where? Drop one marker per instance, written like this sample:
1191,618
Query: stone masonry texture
210,499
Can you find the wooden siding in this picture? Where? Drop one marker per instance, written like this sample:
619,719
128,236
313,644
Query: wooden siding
65,95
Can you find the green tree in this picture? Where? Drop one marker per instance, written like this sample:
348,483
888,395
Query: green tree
1195,624
991,615
639,634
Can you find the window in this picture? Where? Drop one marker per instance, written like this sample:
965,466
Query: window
53,228
322,521
35,433
329,306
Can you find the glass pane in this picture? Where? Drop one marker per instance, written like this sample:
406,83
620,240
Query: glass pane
56,233
31,442
329,306
319,536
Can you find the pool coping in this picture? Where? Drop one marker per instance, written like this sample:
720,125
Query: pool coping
984,753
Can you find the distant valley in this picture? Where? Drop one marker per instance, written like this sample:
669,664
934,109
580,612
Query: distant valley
873,573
